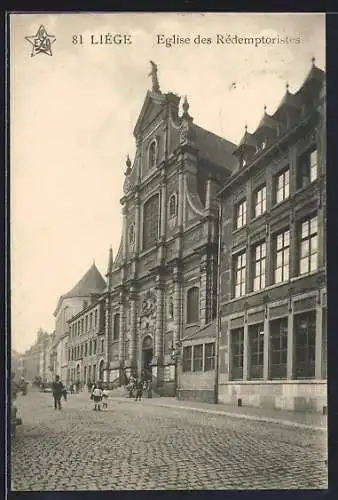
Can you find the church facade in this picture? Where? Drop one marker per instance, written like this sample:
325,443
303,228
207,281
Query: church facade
162,285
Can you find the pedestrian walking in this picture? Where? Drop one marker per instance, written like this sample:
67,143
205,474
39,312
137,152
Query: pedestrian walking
139,390
97,397
57,389
64,393
131,386
105,396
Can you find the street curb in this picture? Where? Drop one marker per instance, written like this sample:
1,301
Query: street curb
286,423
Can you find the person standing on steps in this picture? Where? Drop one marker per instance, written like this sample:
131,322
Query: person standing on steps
57,388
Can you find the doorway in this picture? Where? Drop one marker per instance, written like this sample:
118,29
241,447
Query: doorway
147,357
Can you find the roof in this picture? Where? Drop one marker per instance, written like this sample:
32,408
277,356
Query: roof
315,73
290,100
267,122
214,148
247,140
92,283
208,330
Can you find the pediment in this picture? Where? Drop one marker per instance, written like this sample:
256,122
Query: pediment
152,106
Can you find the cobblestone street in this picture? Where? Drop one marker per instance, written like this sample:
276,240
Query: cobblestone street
133,446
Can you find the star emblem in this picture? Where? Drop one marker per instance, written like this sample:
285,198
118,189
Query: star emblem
41,42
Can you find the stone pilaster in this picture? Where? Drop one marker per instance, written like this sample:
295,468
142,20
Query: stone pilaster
248,275
163,209
293,264
133,328
122,333
108,335
177,304
266,346
137,224
319,338
245,351
124,233
180,196
290,346
203,290
159,319
158,351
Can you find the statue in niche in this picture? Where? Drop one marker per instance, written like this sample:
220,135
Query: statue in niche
171,308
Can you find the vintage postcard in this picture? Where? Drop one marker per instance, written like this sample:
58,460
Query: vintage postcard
168,258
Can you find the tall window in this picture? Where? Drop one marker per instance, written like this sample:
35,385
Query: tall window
198,358
94,347
95,318
102,346
94,372
90,348
82,325
86,323
237,350
172,206
187,353
209,357
260,201
116,328
193,305
259,258
256,342
91,321
307,170
281,257
239,274
308,254
305,345
278,348
240,214
86,349
282,186
152,154
150,222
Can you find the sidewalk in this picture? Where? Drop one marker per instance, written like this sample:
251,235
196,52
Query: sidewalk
302,420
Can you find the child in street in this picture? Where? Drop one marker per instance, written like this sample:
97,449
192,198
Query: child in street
105,396
97,397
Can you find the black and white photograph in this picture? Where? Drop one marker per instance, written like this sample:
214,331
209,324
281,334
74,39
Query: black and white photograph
168,251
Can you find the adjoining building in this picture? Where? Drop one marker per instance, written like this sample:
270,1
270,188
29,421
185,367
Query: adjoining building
162,284
86,345
85,292
273,262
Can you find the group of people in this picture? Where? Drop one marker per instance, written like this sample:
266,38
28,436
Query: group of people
99,392
137,387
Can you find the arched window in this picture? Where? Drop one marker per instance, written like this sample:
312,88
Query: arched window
193,305
116,329
150,222
172,206
152,154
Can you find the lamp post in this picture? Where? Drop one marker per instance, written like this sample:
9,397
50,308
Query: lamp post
174,351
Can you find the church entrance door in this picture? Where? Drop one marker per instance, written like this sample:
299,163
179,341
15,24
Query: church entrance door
147,357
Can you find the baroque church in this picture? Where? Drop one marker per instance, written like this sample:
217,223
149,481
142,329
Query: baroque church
162,285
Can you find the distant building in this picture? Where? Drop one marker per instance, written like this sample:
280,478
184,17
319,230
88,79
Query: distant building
273,268
34,362
85,292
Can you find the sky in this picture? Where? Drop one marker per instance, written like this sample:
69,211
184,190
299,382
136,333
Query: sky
72,116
